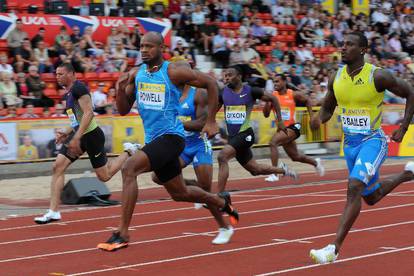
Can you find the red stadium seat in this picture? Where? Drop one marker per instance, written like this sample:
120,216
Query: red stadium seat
38,110
105,76
50,92
20,111
116,75
48,77
79,76
91,76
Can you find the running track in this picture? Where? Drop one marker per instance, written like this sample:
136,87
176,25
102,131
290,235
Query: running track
279,225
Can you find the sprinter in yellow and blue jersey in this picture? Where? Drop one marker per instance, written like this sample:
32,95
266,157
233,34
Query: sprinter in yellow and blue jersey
357,90
154,85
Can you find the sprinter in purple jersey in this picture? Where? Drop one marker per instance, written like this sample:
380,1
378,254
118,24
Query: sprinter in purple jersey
238,100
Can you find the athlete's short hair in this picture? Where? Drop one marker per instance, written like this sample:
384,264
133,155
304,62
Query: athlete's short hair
363,41
282,76
68,66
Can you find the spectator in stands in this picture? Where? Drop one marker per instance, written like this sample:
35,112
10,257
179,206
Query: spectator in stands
76,36
92,45
236,56
111,8
84,8
248,53
68,54
119,57
99,99
275,66
27,151
114,37
174,9
208,31
395,47
24,56
41,57
185,27
306,78
277,51
131,50
8,90
40,36
36,87
29,112
135,36
236,9
259,32
305,53
15,37
61,38
4,66
23,89
244,29
220,51
59,111
198,19
294,78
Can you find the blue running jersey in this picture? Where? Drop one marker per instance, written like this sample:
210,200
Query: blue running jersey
158,100
197,149
187,112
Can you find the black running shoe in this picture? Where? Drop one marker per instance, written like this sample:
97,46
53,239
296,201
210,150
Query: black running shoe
228,208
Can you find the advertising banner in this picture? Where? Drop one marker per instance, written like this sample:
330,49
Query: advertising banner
8,141
360,6
101,25
329,6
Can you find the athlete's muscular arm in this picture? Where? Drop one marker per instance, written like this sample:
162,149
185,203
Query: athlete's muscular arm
85,103
328,106
125,91
180,75
384,80
266,109
269,98
200,102
302,98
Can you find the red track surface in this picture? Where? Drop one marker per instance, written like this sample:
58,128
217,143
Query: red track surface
278,227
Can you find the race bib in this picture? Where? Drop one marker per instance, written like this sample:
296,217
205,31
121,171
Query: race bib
151,95
186,119
72,117
356,120
236,114
285,114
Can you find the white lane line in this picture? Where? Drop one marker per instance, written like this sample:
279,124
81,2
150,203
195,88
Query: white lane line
168,210
162,261
171,222
338,261
238,229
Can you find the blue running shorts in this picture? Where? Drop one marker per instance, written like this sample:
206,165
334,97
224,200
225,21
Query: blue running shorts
365,158
199,153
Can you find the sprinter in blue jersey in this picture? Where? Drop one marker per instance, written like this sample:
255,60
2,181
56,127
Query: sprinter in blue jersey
193,114
154,86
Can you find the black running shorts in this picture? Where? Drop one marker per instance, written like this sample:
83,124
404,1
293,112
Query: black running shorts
296,128
93,143
164,153
242,142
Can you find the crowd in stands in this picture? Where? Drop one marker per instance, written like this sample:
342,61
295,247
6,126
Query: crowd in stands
264,38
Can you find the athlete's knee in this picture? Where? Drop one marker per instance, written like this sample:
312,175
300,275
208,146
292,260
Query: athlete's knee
128,170
371,199
274,143
355,188
222,158
58,168
104,177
